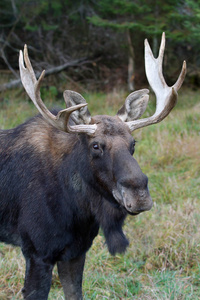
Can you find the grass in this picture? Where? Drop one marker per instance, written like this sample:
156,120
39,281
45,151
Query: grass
163,259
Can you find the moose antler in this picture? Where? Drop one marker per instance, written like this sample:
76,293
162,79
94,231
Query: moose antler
166,96
32,87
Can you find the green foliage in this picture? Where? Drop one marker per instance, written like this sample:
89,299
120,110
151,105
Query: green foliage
148,17
49,93
59,29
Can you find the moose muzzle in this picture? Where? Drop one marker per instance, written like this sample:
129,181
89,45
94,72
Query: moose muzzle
131,187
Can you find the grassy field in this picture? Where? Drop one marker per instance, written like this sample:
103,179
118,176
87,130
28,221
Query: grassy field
163,259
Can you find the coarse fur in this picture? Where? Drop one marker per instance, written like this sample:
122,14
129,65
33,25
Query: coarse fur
55,193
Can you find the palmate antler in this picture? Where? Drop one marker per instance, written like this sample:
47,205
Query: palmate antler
166,96
32,87
135,103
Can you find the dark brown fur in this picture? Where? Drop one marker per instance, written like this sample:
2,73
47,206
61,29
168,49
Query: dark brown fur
58,188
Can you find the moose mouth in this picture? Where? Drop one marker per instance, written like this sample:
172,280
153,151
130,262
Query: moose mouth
134,201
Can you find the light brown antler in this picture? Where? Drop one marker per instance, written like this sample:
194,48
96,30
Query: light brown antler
166,96
32,87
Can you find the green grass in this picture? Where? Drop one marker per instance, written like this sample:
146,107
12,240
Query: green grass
163,259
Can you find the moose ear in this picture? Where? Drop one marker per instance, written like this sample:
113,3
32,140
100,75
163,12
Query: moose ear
134,106
81,116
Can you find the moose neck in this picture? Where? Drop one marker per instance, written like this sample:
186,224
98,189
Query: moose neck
92,200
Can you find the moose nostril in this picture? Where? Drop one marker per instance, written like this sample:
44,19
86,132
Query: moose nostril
129,205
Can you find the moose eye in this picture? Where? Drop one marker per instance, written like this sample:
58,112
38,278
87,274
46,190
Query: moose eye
95,146
97,149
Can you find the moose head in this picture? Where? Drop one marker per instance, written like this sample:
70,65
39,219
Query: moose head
109,138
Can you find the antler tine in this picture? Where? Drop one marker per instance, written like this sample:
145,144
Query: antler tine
181,77
29,66
162,48
32,87
166,96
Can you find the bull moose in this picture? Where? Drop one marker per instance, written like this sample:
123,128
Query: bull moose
65,174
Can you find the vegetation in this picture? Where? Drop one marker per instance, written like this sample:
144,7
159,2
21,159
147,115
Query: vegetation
109,33
163,259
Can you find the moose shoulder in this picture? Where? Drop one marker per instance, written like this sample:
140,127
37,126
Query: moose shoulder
65,174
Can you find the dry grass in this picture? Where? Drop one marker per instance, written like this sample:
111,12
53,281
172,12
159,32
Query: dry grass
163,259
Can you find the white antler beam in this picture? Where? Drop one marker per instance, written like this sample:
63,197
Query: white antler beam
166,96
32,87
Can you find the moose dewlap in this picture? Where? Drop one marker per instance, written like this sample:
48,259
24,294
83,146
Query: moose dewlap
64,175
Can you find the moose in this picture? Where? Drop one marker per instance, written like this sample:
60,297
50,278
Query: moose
65,174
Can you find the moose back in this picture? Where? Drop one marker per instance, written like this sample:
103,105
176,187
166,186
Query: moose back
65,174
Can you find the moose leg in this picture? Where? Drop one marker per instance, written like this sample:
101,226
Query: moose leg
71,274
37,279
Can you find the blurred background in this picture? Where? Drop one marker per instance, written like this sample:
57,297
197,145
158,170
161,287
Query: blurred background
100,43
